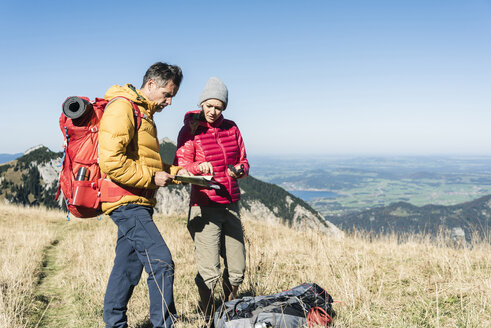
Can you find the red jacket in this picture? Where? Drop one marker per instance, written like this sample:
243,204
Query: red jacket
220,144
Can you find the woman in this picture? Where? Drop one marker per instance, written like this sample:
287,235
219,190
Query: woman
208,144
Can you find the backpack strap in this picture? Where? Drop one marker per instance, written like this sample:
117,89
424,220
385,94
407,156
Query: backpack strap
318,316
113,192
136,111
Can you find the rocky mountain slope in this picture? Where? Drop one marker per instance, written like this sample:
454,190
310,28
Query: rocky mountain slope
32,180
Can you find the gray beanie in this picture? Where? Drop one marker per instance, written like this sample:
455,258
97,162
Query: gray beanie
214,89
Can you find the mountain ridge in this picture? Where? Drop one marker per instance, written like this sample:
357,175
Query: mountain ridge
32,180
465,220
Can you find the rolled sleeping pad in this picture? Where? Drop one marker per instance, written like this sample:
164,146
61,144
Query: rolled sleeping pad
76,107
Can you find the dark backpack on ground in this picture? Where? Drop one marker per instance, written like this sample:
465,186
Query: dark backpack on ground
303,306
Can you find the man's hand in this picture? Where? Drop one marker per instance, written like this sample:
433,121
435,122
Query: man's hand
162,178
206,168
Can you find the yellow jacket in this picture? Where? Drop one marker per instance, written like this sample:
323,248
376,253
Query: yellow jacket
126,159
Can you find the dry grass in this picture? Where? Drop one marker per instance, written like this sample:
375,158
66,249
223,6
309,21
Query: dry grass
25,234
380,282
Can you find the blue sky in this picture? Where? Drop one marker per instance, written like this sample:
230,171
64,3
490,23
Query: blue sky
304,77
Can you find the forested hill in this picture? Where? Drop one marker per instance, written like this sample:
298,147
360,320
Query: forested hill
32,180
273,197
461,221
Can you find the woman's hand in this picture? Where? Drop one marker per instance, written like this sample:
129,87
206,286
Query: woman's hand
236,172
185,173
206,168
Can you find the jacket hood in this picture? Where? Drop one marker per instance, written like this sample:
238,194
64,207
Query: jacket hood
133,94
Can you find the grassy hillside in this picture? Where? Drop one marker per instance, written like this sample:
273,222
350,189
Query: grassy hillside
53,273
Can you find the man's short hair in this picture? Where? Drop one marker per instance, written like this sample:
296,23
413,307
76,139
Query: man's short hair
162,73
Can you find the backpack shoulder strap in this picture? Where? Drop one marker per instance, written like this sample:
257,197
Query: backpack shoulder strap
136,111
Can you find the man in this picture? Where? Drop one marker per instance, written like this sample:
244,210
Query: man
129,156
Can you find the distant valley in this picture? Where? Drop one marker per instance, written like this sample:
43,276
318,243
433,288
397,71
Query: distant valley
337,186
392,195
4,158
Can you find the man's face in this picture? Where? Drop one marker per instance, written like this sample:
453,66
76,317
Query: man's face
212,109
162,96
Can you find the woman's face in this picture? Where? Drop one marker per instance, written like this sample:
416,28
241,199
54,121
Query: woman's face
212,108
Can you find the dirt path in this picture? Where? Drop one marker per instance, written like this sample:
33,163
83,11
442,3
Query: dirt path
51,309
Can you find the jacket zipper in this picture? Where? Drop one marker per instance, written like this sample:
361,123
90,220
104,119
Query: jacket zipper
224,160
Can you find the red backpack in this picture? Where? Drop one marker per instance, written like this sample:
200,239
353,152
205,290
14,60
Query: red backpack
80,177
